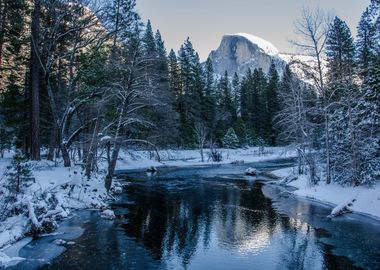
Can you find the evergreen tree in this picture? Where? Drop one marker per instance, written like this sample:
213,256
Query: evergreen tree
368,127
258,118
149,42
340,57
245,96
236,93
20,174
366,42
174,75
208,111
191,92
230,140
344,142
225,101
272,102
121,15
241,131
160,48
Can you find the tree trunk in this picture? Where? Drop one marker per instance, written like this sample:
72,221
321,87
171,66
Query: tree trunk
65,156
116,150
112,165
53,144
116,24
34,85
92,149
327,141
3,11
26,117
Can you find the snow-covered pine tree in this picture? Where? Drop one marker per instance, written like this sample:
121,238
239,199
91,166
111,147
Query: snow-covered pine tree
342,96
368,127
366,41
340,59
230,140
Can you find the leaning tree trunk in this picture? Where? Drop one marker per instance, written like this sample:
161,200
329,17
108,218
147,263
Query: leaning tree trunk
112,165
116,149
92,149
34,85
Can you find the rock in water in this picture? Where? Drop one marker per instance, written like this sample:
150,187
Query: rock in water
251,171
108,214
151,169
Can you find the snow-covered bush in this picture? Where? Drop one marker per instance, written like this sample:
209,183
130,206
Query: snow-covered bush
215,155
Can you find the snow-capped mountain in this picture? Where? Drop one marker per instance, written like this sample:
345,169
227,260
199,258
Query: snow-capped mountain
240,52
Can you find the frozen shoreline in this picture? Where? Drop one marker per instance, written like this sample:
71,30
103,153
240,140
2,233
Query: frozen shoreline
366,200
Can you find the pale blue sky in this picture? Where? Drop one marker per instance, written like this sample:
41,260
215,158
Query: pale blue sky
206,21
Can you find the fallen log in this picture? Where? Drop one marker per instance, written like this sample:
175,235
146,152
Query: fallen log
342,209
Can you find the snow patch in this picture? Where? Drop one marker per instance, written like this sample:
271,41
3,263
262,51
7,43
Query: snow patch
263,44
6,261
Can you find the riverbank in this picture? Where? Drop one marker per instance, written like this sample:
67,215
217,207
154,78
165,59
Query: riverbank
362,200
50,197
131,160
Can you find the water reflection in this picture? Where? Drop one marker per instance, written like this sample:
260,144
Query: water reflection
215,223
201,223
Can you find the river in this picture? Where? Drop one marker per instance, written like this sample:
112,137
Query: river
210,218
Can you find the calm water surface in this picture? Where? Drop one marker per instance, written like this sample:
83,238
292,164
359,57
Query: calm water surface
214,218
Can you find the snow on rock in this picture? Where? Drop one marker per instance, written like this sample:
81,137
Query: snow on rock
117,190
251,171
151,169
108,214
105,138
59,242
263,44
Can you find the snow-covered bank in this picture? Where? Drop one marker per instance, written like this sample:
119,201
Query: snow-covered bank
361,199
145,159
50,197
